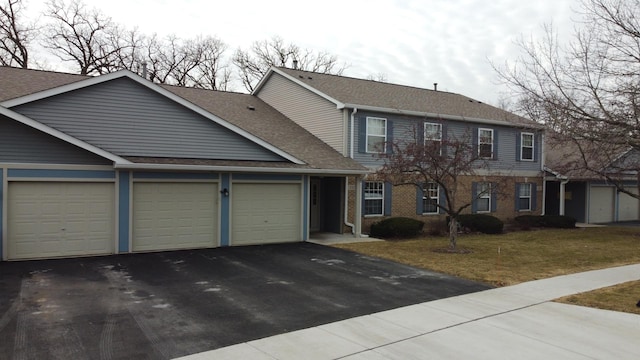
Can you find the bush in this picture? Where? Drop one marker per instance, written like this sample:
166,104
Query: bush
397,227
550,221
483,223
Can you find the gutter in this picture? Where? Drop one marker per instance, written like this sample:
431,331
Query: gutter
243,169
352,138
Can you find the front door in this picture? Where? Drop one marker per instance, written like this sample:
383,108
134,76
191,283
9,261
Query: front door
314,205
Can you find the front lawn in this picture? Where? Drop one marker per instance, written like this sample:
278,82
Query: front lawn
515,257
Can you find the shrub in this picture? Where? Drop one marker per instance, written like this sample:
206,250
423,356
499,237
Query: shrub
550,221
483,223
397,227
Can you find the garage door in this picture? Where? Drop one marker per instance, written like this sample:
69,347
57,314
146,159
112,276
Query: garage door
628,207
168,216
52,219
601,204
265,213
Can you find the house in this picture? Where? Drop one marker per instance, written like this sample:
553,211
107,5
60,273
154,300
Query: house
116,164
575,185
355,117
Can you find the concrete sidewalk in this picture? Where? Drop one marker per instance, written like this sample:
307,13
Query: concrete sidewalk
514,322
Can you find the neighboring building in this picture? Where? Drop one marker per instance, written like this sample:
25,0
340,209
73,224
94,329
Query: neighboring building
117,164
574,190
357,117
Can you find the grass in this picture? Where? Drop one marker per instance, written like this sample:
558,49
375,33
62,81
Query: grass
623,297
516,257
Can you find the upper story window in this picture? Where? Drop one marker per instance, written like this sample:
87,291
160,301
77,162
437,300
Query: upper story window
376,135
524,197
483,197
430,198
485,143
526,146
433,137
373,198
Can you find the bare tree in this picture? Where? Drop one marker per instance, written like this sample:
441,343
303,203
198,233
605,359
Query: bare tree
253,64
15,36
443,160
589,89
212,71
85,37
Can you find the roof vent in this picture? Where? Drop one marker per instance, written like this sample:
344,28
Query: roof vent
435,86
309,77
295,64
251,107
301,77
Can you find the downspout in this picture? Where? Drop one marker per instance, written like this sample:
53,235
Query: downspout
562,184
346,182
544,181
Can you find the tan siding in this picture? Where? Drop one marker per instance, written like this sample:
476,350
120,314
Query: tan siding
319,116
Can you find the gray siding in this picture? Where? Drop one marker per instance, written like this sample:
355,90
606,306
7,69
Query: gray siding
22,144
318,115
127,119
405,127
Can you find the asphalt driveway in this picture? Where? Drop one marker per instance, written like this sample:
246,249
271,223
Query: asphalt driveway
170,304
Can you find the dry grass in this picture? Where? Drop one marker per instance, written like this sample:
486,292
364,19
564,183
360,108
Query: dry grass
515,257
623,297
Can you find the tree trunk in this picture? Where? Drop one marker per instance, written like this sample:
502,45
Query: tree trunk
453,233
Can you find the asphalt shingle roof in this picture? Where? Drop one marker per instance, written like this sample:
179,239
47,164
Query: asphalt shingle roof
242,110
362,92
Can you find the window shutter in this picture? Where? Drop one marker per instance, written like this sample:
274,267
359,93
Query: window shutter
387,198
536,146
444,139
419,202
474,195
534,197
362,135
495,144
494,197
475,142
517,196
518,146
389,144
442,199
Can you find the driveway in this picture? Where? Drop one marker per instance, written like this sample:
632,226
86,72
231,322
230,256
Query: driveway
170,304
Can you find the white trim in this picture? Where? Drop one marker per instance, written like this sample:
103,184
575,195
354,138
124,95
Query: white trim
60,135
385,136
492,143
60,179
243,169
424,133
533,146
156,88
161,180
425,195
116,217
382,194
484,195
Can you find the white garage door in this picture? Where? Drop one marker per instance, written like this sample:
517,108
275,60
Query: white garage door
169,216
265,213
601,204
52,219
628,207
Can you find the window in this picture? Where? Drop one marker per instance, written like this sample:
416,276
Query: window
433,137
485,143
524,197
430,198
483,197
526,146
373,198
376,135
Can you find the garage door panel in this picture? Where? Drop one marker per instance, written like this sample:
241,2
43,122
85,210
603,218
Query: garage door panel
266,213
628,208
52,219
174,216
601,204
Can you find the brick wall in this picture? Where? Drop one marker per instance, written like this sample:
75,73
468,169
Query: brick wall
404,201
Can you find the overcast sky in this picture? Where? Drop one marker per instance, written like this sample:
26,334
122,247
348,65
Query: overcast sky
411,42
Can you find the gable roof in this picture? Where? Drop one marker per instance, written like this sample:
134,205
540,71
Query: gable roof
262,125
348,92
